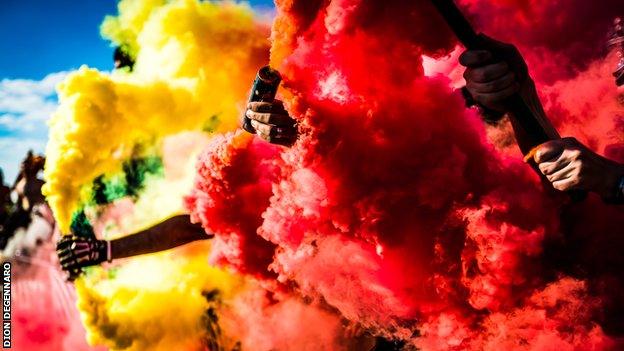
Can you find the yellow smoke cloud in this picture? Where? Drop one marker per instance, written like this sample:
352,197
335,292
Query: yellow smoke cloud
194,65
194,61
122,29
157,302
175,301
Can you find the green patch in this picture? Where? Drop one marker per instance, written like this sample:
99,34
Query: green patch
130,182
138,170
80,225
211,124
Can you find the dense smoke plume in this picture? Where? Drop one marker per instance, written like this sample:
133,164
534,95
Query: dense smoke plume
194,64
192,71
395,209
396,214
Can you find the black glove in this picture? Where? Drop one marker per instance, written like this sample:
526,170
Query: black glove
76,253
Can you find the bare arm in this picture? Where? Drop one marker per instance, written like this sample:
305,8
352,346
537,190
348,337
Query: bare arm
174,232
76,252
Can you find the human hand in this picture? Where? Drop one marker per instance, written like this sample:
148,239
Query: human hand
76,253
272,122
494,73
570,165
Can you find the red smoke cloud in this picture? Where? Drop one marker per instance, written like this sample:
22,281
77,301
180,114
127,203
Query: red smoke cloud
558,38
230,204
394,209
589,97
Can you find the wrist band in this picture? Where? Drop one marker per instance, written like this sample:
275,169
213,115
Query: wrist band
109,254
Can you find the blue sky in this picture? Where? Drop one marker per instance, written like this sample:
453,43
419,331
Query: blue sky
41,41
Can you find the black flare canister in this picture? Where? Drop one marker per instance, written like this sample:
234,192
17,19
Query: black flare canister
264,89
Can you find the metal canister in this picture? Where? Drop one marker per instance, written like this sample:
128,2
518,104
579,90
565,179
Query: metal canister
264,88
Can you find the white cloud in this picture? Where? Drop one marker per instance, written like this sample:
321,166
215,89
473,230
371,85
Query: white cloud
25,107
24,95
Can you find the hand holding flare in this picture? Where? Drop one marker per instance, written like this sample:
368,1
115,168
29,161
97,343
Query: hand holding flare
266,116
494,75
